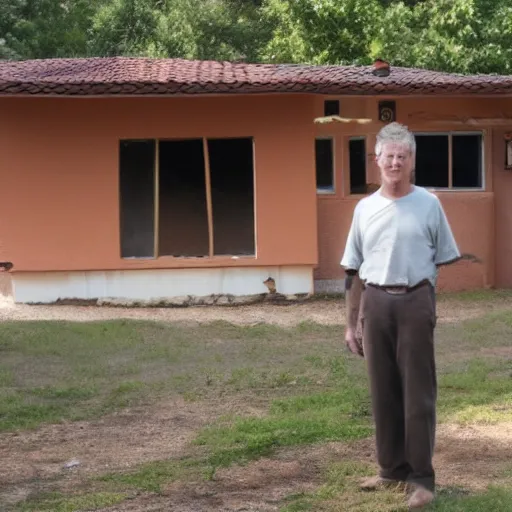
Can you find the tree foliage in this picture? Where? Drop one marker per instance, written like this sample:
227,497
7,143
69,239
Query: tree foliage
468,36
321,31
45,28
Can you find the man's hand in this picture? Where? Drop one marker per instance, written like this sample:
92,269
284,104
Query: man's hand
354,344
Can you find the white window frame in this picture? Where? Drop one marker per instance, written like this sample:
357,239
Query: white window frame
450,134
330,190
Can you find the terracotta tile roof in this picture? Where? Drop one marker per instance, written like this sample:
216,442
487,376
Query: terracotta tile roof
141,76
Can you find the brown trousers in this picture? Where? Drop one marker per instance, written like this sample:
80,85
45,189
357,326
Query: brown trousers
398,341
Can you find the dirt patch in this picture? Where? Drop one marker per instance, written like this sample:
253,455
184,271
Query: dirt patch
260,486
257,487
114,443
466,457
471,457
326,312
498,351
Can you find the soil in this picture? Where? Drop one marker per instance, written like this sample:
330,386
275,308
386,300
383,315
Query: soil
471,457
327,312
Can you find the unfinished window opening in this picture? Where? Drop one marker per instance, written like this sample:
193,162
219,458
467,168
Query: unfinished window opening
324,158
178,201
432,161
357,164
183,218
467,166
331,108
137,198
232,192
449,160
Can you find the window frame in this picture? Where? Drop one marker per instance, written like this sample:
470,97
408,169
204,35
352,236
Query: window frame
156,191
327,191
450,134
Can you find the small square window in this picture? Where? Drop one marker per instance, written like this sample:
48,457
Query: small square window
331,108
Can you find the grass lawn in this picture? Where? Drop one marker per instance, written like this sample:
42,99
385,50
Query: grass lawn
264,397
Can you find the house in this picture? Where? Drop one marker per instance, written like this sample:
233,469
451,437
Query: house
154,179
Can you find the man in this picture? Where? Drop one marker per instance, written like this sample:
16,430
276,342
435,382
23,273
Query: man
398,238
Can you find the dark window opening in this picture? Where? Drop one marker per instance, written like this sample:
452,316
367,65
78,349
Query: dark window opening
357,162
331,108
183,218
432,162
137,198
467,161
324,161
232,186
179,218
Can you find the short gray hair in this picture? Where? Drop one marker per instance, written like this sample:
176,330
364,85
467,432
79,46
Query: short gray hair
395,132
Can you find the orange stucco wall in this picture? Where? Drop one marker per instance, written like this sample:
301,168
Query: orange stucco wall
470,215
481,220
503,212
59,203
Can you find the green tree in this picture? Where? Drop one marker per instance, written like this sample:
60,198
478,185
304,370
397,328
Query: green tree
232,30
321,31
467,36
202,29
144,28
45,28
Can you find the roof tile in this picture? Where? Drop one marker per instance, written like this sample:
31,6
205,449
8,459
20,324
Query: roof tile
139,76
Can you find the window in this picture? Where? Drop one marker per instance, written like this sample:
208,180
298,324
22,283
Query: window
449,160
357,164
331,108
324,156
137,198
187,198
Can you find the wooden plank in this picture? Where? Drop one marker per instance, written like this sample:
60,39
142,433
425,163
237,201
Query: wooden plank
437,119
450,160
338,119
208,183
157,195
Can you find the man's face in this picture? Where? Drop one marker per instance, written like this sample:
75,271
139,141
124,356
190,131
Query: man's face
395,163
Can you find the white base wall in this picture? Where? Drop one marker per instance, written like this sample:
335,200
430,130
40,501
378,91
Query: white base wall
158,284
330,286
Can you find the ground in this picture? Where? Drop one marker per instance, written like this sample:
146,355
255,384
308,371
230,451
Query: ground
327,311
140,436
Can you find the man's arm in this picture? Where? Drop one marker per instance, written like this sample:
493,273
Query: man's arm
351,261
353,291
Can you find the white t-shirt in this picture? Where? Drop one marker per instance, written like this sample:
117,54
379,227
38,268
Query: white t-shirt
399,242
